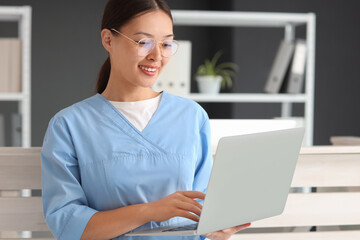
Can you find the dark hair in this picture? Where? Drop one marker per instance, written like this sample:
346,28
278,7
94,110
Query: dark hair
116,14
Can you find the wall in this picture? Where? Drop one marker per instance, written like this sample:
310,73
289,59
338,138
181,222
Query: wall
337,73
67,54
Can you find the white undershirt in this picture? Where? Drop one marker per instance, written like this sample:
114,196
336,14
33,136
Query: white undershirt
138,113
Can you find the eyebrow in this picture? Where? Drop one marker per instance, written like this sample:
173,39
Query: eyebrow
150,35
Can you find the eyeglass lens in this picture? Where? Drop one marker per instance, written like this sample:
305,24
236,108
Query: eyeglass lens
168,47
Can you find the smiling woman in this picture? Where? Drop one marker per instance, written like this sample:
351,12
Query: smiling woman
135,67
128,158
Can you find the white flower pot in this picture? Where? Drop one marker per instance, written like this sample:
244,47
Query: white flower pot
209,84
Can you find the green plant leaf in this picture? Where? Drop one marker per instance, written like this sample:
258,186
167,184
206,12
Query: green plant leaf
216,58
226,70
209,67
226,79
201,70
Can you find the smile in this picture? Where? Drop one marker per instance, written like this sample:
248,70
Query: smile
147,69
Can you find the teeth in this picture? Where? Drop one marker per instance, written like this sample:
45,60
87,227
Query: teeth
148,69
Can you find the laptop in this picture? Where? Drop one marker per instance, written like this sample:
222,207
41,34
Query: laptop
250,180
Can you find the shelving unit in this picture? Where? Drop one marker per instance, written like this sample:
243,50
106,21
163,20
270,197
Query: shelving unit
249,97
288,21
21,15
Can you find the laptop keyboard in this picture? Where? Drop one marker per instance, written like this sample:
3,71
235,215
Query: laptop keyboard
182,228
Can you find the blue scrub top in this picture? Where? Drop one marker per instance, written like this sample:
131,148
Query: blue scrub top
94,159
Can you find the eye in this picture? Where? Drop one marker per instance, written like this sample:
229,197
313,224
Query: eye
167,44
144,42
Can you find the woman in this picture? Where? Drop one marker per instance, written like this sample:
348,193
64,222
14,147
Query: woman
128,158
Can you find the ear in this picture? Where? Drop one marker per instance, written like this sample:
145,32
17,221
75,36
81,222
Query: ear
106,39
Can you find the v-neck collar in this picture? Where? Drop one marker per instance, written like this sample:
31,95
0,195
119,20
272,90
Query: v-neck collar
108,110
152,119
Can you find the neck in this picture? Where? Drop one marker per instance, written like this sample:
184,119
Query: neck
121,91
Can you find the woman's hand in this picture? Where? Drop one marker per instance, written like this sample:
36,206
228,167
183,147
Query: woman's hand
226,233
178,204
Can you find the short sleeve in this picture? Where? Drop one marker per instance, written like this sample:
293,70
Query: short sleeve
65,205
204,160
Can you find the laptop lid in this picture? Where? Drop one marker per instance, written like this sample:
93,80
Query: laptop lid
251,178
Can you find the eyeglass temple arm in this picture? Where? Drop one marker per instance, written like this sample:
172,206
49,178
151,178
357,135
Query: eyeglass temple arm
123,35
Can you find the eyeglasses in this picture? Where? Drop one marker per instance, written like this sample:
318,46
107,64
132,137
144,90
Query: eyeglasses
146,45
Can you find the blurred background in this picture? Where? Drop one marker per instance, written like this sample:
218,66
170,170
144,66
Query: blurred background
67,55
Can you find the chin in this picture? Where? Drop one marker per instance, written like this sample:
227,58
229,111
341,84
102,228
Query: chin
149,82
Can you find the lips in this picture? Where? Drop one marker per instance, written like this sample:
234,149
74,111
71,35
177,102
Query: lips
148,70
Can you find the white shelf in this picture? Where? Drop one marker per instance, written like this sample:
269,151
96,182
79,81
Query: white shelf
287,21
12,13
22,15
248,97
238,19
11,96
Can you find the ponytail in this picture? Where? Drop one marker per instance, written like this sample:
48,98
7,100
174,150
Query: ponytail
103,77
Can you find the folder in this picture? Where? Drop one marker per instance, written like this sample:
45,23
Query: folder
16,129
295,80
4,65
175,78
2,131
280,67
10,65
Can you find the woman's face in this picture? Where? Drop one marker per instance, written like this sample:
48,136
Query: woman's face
126,64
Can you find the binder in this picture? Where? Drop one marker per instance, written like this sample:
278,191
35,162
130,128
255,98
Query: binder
15,66
10,65
280,66
16,129
175,77
2,131
4,65
295,80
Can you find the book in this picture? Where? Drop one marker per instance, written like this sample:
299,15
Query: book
4,65
345,140
10,65
175,77
16,129
295,79
2,131
15,66
280,67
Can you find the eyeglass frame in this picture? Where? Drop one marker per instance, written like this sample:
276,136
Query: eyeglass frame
155,41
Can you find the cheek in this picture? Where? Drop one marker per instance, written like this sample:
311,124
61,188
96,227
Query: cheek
165,61
126,60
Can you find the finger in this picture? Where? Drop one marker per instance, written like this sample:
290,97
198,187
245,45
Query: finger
241,227
194,194
244,225
191,201
189,207
186,214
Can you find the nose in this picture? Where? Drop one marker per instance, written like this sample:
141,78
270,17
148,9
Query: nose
155,54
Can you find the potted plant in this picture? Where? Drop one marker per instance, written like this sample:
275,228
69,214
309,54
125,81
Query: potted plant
212,76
